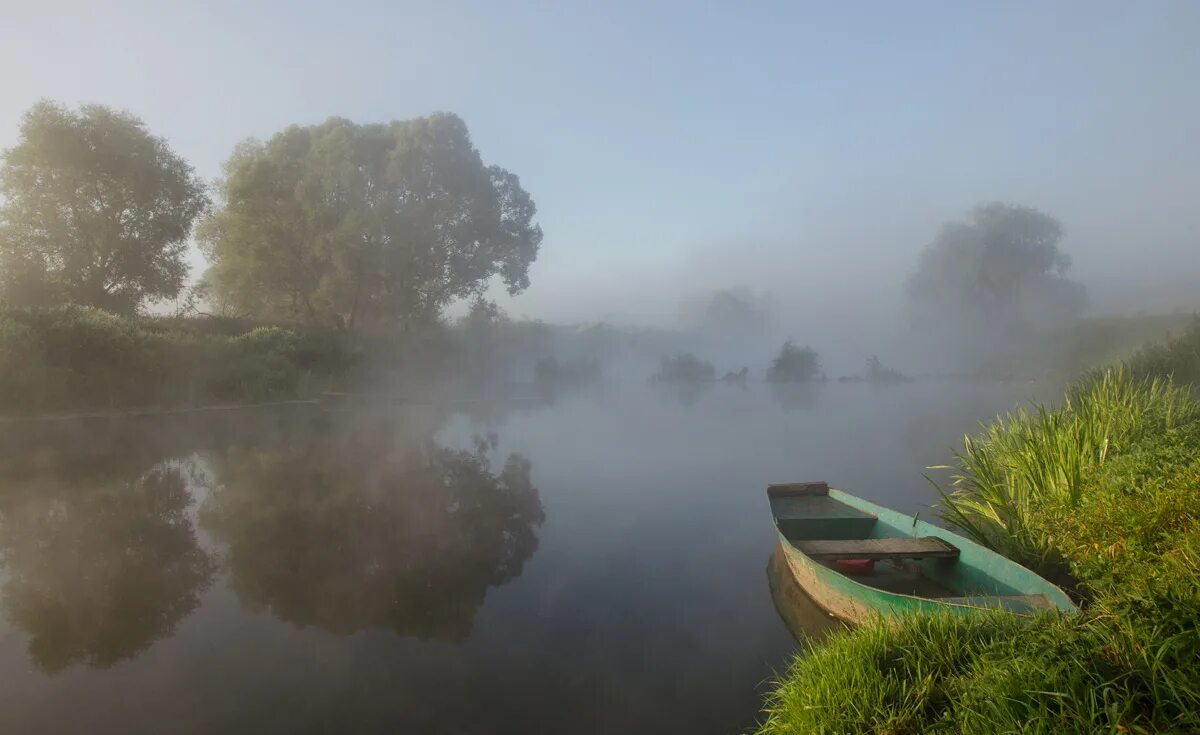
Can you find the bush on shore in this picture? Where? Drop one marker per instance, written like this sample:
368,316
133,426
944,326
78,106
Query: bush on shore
1178,358
794,364
78,358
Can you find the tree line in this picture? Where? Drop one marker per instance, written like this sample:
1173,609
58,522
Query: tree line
355,226
338,224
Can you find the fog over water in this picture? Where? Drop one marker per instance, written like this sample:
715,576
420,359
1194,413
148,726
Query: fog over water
673,254
593,565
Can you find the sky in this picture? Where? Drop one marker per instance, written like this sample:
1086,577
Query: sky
806,150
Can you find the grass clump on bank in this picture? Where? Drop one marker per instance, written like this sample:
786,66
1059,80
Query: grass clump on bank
1099,494
1029,471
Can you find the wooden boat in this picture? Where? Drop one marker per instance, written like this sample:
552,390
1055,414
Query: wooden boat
859,560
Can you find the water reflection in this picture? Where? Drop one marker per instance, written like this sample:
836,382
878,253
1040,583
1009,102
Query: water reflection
685,393
99,559
372,527
806,621
796,396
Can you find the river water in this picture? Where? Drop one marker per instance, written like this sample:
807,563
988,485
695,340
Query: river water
592,564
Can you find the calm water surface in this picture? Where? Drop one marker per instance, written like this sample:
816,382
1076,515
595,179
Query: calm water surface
595,565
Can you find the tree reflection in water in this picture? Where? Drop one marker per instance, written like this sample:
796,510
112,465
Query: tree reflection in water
365,526
99,558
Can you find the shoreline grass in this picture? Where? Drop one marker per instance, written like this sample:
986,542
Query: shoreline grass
1101,492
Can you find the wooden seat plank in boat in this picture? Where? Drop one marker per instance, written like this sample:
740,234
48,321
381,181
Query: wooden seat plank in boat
925,547
815,508
805,512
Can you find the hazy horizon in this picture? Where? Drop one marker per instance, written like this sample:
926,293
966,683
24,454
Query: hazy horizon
810,153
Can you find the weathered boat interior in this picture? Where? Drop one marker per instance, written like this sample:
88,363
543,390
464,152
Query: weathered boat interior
884,553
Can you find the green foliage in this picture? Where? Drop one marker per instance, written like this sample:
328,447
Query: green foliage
684,368
96,211
794,364
1118,667
1031,459
1001,272
882,679
348,225
76,358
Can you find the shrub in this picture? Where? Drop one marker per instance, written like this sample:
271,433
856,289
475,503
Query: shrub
877,372
794,364
1177,358
76,358
685,368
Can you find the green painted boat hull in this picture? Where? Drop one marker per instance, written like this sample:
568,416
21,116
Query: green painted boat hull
979,579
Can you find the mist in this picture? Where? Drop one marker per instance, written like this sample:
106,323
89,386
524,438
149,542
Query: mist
809,154
420,366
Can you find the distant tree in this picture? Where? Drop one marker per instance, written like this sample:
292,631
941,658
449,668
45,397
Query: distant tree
684,368
794,364
877,372
347,224
96,211
739,377
727,311
1002,270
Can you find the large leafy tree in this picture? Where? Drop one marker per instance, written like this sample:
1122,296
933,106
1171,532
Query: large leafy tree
999,271
96,211
349,225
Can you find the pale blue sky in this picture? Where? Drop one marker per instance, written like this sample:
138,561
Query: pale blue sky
799,148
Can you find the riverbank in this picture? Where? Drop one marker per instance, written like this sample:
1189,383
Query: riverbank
1099,494
75,359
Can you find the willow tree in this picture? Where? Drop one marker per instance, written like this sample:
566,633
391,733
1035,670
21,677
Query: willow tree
349,225
96,211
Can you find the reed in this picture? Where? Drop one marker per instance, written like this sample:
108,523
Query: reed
1038,458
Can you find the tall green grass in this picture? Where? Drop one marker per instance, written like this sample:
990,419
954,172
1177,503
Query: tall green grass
1099,672
1126,664
1033,459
